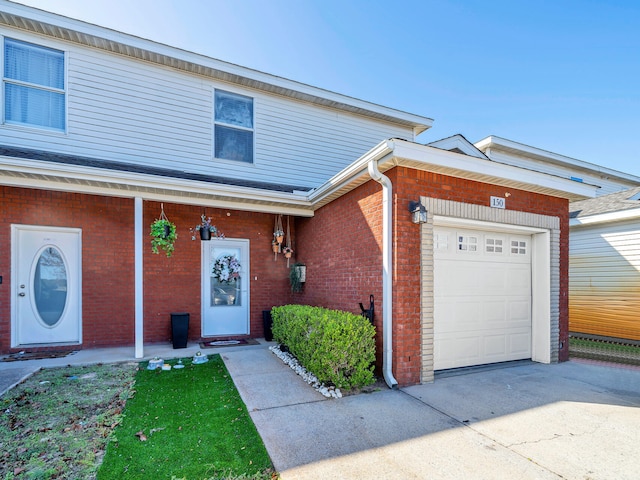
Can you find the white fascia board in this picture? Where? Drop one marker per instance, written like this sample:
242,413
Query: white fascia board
499,143
606,217
459,142
477,166
97,181
393,152
284,86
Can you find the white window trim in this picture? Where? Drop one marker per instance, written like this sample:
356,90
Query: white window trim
39,128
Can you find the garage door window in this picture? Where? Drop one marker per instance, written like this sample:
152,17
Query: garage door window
493,245
467,243
440,241
518,247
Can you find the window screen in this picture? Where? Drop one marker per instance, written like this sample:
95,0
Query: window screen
233,136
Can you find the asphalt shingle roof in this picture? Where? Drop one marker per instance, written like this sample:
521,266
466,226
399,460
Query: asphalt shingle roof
613,202
42,155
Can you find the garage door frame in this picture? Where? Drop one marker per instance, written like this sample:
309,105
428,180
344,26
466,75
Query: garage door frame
545,269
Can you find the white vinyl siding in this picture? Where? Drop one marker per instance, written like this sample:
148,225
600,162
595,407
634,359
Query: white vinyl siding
33,84
131,111
606,184
604,280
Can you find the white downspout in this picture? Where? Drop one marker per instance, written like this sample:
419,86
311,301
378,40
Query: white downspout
387,274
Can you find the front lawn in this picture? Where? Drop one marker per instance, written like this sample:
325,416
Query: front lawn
188,423
185,423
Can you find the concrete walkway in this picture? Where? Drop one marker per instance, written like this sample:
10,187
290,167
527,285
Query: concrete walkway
570,420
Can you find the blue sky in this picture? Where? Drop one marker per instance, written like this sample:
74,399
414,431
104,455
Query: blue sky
561,75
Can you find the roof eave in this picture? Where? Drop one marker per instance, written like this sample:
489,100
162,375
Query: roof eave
395,152
98,181
493,142
608,217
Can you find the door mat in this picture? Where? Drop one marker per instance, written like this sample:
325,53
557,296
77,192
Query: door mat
229,343
16,357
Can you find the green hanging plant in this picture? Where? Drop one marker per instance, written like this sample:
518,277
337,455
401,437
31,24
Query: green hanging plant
163,235
297,276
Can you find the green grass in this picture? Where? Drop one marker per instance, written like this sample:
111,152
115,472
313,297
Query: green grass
605,346
194,426
56,423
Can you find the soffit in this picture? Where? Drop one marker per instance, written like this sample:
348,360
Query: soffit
93,181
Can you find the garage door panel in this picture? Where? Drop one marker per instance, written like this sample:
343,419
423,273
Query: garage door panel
520,312
470,278
482,298
455,350
520,344
519,278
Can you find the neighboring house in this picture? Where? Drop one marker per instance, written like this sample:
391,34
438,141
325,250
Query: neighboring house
513,153
604,286
604,258
102,131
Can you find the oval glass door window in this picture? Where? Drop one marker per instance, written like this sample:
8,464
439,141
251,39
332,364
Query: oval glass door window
50,286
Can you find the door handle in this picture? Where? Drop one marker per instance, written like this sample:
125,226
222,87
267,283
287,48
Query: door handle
21,294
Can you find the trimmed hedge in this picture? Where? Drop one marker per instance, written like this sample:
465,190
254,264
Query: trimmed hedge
337,347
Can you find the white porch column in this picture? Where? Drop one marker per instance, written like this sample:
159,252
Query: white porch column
138,278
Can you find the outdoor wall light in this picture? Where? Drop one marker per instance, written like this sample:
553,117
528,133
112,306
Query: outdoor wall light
418,212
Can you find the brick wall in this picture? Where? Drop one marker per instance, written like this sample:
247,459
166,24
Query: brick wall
174,284
342,249
170,284
107,252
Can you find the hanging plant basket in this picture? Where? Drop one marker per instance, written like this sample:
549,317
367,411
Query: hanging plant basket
297,276
278,232
163,235
205,229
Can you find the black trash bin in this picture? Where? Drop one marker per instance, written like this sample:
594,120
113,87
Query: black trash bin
267,323
179,329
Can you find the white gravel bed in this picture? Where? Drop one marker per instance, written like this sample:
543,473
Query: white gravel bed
310,378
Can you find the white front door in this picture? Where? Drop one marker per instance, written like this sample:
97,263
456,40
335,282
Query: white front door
225,302
46,285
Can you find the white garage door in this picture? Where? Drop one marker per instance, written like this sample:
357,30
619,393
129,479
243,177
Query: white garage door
482,297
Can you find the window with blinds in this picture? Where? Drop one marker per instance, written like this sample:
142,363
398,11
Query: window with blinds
233,127
34,89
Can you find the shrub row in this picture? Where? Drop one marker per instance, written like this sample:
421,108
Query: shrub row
337,347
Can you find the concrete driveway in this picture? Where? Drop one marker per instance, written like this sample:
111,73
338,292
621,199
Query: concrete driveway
533,421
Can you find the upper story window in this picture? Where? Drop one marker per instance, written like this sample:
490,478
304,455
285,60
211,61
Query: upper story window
33,80
233,127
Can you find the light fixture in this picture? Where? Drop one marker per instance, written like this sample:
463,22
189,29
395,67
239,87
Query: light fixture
418,212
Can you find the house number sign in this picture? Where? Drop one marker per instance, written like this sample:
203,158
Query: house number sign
498,202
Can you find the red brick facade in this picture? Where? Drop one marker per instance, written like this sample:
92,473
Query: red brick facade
341,247
170,284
